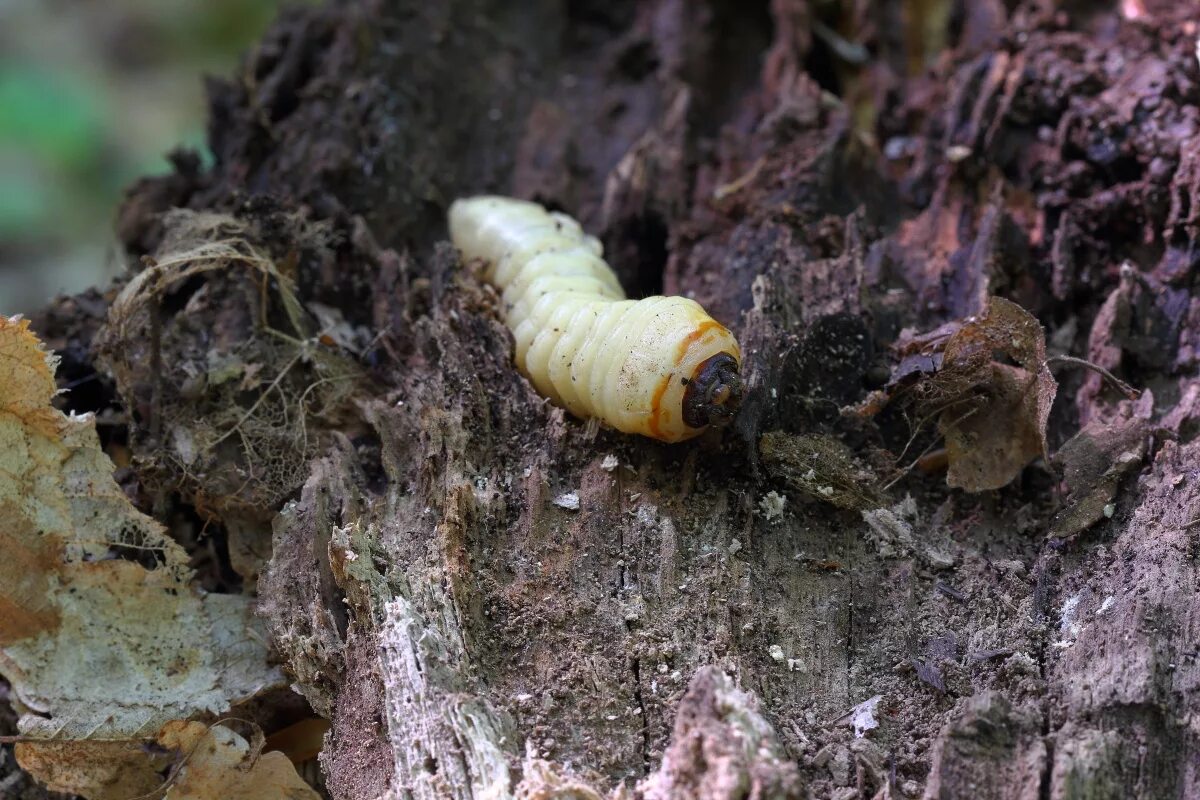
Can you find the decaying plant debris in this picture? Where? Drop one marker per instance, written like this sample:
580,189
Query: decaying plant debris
983,587
986,382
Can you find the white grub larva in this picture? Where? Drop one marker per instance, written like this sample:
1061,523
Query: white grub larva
660,367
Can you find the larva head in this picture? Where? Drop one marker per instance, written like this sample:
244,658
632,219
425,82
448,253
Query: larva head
696,370
714,392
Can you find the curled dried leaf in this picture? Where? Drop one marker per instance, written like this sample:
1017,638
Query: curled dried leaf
1010,404
221,765
985,380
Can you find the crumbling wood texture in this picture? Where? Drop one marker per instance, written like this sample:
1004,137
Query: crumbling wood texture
821,176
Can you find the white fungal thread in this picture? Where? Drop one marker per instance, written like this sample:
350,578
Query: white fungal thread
660,367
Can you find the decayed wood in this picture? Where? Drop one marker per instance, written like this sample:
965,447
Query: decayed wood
707,622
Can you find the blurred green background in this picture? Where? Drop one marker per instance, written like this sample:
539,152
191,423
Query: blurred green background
92,95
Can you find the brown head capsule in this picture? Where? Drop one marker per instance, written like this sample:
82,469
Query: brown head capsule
714,392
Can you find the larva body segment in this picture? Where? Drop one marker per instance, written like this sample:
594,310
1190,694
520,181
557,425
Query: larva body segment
660,367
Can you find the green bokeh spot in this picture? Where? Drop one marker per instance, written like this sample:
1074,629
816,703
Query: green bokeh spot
51,115
23,204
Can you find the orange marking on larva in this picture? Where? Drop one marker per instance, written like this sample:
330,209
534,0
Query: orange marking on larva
694,336
656,407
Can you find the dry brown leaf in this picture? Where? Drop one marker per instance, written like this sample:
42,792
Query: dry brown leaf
102,770
101,636
204,763
986,382
221,765
996,414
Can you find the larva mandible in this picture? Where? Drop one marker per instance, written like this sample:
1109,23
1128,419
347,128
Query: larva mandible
660,367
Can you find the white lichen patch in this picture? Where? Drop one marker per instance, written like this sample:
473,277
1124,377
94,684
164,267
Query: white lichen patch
862,716
771,506
568,500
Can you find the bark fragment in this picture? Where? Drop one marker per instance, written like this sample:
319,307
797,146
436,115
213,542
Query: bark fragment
721,748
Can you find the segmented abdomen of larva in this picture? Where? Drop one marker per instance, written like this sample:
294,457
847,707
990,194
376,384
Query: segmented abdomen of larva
578,339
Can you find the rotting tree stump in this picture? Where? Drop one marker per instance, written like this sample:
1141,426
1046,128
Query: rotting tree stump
820,177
